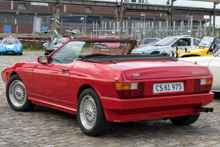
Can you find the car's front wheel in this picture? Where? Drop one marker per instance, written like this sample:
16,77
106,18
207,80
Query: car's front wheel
17,95
90,114
185,120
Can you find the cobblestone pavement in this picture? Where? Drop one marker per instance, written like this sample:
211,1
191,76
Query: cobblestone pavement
49,128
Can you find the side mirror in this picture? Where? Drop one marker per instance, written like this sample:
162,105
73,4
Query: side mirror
42,59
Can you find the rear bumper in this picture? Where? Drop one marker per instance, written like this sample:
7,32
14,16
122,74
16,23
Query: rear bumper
125,110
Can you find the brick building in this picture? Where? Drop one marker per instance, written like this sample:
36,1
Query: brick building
18,17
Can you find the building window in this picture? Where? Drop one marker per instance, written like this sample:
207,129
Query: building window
21,6
88,10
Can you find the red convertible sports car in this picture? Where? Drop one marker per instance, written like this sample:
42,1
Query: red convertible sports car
104,88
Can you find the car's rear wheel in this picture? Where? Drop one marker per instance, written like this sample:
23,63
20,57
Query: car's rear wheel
90,114
17,95
185,120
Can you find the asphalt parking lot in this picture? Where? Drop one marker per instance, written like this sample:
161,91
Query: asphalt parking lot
50,128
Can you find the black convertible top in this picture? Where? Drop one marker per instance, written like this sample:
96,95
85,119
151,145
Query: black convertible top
100,58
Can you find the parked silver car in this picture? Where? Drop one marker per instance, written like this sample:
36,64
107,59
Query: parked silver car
168,44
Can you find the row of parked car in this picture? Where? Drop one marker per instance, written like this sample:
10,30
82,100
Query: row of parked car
177,46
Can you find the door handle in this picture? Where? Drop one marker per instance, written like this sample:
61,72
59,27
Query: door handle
65,70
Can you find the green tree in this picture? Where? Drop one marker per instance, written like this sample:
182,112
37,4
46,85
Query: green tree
168,2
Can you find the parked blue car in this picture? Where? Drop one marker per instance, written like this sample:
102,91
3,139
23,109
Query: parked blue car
10,45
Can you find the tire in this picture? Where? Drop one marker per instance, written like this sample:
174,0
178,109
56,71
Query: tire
17,95
21,54
93,122
185,120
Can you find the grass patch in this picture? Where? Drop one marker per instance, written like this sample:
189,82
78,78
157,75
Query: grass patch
30,46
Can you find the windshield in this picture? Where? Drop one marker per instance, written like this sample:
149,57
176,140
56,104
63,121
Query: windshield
86,48
145,50
97,51
10,40
206,41
62,40
166,41
59,40
149,41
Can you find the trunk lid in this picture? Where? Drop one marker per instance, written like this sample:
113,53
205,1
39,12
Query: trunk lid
155,69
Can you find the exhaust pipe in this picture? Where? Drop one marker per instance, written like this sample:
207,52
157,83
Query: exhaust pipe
203,109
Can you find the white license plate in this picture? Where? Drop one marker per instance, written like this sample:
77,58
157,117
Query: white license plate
104,50
168,87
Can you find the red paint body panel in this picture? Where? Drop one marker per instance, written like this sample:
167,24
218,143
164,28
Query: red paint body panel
123,110
49,86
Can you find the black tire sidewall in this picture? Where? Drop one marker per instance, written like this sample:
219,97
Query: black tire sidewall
27,105
101,124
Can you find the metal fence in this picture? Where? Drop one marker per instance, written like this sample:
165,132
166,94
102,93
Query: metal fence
130,29
96,26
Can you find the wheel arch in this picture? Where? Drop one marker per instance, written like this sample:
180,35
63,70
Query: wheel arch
83,87
14,73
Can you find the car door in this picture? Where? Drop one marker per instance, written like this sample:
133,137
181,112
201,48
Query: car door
214,66
52,79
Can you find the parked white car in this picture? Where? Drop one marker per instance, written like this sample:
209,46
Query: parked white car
168,44
213,63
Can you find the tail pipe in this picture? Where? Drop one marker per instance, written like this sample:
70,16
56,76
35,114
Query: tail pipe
203,109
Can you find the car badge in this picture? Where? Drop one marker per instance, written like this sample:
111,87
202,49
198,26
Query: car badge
136,75
197,72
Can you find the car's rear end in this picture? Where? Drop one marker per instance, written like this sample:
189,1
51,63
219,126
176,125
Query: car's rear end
158,89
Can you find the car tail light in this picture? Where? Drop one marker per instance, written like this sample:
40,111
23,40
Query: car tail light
126,90
203,85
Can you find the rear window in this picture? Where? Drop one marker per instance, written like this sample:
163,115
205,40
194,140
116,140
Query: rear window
166,41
